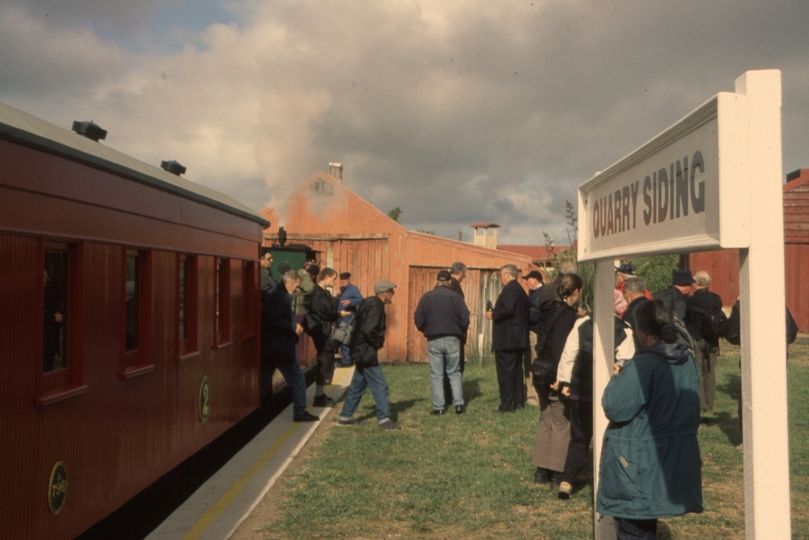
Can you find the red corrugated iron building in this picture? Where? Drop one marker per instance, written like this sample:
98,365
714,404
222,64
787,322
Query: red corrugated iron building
354,236
724,265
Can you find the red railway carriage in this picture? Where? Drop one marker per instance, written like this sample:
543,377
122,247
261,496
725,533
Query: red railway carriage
128,325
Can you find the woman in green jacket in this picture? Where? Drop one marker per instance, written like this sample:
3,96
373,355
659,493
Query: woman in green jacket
650,462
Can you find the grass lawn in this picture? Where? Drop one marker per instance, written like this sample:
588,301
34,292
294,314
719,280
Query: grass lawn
470,476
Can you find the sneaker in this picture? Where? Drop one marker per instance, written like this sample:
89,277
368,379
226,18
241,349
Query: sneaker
564,490
436,412
306,416
390,425
348,422
323,401
460,409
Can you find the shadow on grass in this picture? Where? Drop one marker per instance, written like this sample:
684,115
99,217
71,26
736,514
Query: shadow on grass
471,390
730,424
395,408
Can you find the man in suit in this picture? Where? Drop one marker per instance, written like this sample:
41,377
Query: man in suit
510,338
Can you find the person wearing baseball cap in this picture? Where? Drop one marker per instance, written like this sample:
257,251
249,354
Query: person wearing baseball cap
350,298
443,318
369,336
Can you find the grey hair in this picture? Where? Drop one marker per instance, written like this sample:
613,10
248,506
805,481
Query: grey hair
702,278
457,268
567,268
291,277
511,269
635,285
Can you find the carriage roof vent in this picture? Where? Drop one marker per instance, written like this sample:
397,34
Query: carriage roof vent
90,130
173,167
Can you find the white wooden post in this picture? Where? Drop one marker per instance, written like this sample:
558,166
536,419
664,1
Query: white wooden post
603,356
764,388
710,181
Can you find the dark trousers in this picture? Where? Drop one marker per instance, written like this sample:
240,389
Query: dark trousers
510,379
325,361
448,397
581,433
293,375
635,529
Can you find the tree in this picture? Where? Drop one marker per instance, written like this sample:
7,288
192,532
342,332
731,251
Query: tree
395,213
656,271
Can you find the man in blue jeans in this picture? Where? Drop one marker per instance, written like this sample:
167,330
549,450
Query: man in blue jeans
279,337
368,337
443,318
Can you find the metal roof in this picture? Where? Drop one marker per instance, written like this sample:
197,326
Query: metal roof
22,128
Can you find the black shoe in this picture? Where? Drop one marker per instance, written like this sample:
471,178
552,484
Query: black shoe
460,409
348,422
323,401
436,412
542,476
306,416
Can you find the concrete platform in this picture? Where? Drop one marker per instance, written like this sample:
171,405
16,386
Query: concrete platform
217,509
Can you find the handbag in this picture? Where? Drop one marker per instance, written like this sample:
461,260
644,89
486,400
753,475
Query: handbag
342,333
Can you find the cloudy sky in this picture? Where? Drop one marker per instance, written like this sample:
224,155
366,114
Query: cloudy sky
454,111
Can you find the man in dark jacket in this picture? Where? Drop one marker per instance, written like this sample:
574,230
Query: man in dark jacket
534,281
457,274
322,315
267,281
674,297
443,317
279,336
510,338
698,323
369,336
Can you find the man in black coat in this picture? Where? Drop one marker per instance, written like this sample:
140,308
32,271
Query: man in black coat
510,338
675,295
370,323
534,281
699,304
279,336
322,315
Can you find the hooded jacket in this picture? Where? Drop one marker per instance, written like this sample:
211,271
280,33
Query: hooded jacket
650,460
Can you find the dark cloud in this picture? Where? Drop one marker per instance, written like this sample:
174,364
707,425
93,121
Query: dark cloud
455,112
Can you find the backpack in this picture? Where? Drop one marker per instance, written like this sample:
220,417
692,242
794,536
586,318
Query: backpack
714,322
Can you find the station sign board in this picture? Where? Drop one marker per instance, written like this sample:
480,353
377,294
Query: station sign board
686,189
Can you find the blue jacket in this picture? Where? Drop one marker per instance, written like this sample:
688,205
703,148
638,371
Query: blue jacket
354,297
650,461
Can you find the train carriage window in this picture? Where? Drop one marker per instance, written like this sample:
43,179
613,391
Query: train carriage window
222,300
249,298
55,324
137,314
187,306
61,375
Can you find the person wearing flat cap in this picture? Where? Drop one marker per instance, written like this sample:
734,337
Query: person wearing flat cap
350,298
367,339
443,318
674,296
534,281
